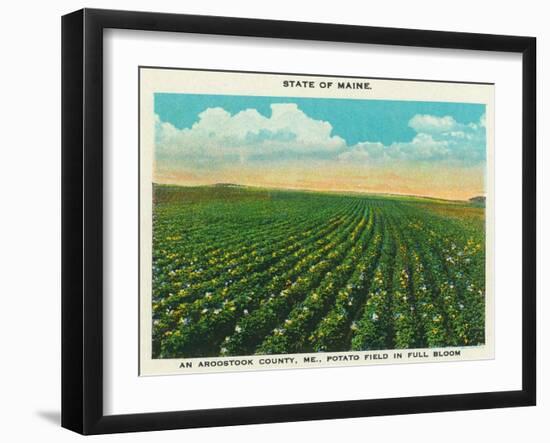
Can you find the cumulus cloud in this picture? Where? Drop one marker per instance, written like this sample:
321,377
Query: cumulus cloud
437,139
431,124
220,137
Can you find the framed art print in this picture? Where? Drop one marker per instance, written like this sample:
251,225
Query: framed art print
253,210
302,221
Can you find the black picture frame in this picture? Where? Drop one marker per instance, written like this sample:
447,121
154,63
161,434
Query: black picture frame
82,220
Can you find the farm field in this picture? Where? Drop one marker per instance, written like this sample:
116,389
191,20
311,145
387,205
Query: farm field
243,271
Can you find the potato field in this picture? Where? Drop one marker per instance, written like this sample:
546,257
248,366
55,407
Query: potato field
242,271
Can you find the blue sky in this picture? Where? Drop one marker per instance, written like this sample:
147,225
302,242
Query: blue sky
385,121
423,148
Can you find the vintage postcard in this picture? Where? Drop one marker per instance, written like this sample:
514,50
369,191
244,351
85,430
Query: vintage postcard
294,221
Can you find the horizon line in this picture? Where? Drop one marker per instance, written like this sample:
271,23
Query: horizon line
394,194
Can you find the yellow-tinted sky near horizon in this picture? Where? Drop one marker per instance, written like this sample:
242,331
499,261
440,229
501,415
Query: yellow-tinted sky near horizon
452,183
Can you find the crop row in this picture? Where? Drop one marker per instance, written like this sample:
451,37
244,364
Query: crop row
211,315
323,274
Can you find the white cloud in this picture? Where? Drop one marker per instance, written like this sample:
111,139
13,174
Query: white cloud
364,152
438,139
431,124
220,137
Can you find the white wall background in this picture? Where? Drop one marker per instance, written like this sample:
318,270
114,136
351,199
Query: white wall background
30,218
